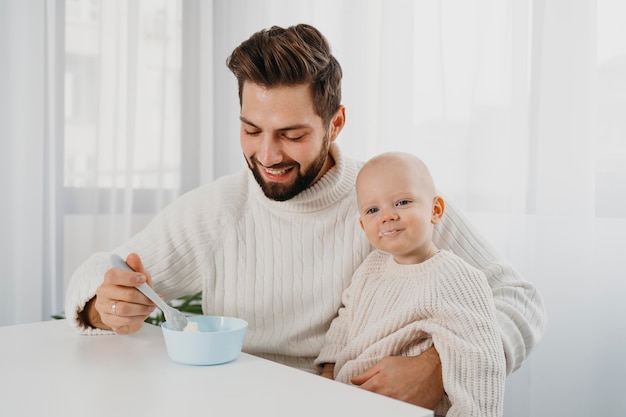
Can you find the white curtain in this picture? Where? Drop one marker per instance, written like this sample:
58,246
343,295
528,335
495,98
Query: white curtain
517,106
92,139
123,141
519,109
29,134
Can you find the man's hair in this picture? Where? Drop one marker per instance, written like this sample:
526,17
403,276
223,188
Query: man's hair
285,57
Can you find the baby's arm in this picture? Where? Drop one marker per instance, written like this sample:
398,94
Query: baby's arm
466,335
337,335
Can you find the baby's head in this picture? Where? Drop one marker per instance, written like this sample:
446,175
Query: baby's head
398,206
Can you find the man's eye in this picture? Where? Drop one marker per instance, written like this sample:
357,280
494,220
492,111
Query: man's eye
293,138
252,132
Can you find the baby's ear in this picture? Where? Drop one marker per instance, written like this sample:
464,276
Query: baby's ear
438,208
361,223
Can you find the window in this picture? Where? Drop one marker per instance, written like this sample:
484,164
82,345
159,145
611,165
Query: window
122,129
122,94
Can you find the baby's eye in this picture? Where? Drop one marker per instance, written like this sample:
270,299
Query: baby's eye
403,202
371,210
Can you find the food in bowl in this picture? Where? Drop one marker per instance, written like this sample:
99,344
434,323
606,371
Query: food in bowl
191,327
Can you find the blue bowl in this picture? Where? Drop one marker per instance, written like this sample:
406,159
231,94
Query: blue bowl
219,339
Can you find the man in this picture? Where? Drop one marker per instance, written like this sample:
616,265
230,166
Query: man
277,244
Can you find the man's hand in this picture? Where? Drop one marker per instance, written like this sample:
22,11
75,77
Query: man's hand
413,379
118,305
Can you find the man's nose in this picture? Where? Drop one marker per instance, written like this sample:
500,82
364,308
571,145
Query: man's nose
269,152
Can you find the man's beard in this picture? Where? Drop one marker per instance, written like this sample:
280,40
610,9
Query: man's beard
284,192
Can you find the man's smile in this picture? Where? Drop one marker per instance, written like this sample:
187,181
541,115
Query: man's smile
277,174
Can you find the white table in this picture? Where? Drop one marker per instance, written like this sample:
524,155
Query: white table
47,369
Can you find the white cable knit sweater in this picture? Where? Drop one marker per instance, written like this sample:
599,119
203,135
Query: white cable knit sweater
392,309
282,266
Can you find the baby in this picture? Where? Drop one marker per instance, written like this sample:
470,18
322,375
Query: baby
409,295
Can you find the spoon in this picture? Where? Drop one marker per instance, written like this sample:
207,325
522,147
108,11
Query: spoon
175,319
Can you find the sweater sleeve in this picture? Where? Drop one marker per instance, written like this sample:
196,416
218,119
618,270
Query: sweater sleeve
172,248
82,288
336,337
466,337
520,312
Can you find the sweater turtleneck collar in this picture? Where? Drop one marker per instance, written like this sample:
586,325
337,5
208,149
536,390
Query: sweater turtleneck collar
331,188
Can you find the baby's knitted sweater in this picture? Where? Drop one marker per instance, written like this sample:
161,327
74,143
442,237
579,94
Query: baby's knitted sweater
282,266
392,309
